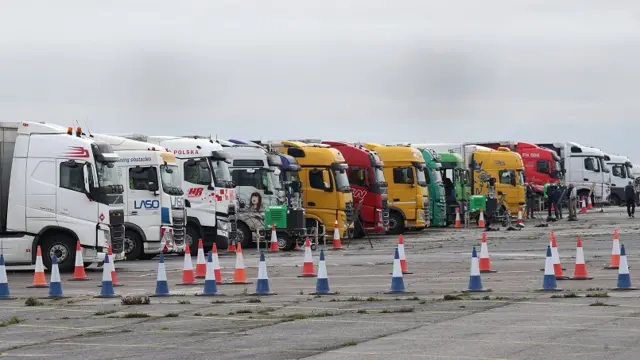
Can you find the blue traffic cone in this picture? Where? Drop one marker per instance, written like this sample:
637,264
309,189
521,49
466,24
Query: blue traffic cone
162,287
624,280
262,287
475,282
107,282
55,287
4,283
210,288
397,282
549,282
322,281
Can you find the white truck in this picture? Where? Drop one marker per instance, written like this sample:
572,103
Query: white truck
210,199
58,187
585,169
153,197
620,175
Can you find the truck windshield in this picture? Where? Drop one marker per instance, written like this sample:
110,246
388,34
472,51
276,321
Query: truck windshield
221,174
342,181
107,174
435,175
421,176
171,181
257,178
379,175
630,172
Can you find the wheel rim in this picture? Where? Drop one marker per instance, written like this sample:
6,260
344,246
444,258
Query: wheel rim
129,245
61,251
393,224
282,243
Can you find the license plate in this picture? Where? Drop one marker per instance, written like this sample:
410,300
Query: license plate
223,233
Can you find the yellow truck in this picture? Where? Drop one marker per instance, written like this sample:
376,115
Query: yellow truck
326,191
485,163
405,171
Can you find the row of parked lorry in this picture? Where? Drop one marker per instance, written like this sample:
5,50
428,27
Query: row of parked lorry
143,195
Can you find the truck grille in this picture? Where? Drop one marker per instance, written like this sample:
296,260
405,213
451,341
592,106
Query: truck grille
385,212
348,209
116,221
178,231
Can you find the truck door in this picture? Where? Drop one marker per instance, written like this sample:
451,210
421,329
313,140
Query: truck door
75,210
143,207
592,171
402,194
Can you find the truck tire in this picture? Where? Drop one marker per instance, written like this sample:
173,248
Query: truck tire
244,235
133,246
396,223
285,242
191,238
63,246
615,201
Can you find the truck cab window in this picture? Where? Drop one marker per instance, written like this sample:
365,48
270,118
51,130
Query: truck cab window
139,178
507,177
257,179
71,176
543,166
616,170
588,164
357,177
197,172
403,175
315,179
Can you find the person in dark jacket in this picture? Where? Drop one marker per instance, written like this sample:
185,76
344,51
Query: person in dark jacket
531,196
630,194
551,197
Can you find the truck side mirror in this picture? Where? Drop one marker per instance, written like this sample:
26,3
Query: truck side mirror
325,181
85,175
152,178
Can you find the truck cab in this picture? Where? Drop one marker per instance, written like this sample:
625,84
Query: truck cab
153,197
327,193
368,186
585,168
57,188
457,182
408,194
209,192
437,199
620,175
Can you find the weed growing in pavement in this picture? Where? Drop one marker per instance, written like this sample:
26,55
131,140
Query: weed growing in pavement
12,321
422,302
362,311
300,292
293,317
354,298
171,315
599,303
595,289
373,299
184,302
350,343
105,312
598,295
135,315
218,302
135,300
31,301
254,301
449,297
197,314
244,311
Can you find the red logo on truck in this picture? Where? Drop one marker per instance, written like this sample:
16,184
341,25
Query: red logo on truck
77,152
194,192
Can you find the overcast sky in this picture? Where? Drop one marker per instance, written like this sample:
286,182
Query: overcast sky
384,71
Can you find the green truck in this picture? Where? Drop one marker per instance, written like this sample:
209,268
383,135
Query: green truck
456,182
438,201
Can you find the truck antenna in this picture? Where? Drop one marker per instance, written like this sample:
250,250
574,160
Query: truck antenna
86,123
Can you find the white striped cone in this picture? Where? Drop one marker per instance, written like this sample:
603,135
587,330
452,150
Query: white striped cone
580,271
210,288
201,263
4,283
615,252
262,286
55,287
307,266
337,242
624,279
322,282
557,267
162,286
475,281
216,266
549,281
397,282
403,258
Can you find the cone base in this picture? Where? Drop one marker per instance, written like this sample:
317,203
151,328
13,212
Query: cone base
563,269
80,279
262,294
164,295
625,289
610,267
54,297
562,278
478,290
404,273
324,293
487,271
399,292
114,285
7,298
190,284
203,294
581,278
37,287
236,283
307,275
549,290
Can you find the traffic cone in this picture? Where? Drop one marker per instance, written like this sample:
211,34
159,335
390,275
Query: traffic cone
112,263
39,280
403,259
580,272
210,288
583,208
78,272
624,280
297,248
162,287
485,262
322,282
458,224
549,282
481,223
475,281
589,204
55,288
307,266
262,286
557,267
188,276
4,283
337,243
231,248
397,282
273,244
107,280
519,220
201,265
240,275
615,252
216,265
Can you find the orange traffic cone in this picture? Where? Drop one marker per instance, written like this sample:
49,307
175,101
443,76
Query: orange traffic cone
216,264
273,245
337,243
307,267
519,221
188,277
484,261
201,265
557,267
231,248
297,248
580,272
78,272
458,224
240,275
615,252
39,280
583,208
403,258
589,204
481,223
112,264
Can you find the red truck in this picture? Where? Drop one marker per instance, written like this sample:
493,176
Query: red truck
541,165
368,186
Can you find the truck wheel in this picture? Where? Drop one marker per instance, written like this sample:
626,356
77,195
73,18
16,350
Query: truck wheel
63,247
396,223
244,235
285,242
191,237
132,244
615,201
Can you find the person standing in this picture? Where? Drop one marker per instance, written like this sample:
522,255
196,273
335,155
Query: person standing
531,195
573,202
630,194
